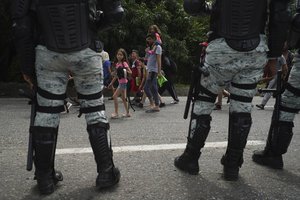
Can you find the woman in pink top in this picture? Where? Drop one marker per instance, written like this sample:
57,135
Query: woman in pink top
122,69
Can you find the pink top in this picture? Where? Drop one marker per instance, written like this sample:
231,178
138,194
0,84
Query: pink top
122,80
158,38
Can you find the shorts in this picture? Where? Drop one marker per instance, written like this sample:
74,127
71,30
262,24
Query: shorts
122,86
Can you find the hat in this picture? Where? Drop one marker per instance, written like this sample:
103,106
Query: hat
203,44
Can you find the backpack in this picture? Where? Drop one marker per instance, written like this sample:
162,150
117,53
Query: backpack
121,72
169,65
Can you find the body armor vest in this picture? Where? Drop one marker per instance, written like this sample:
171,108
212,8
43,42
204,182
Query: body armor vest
241,22
64,24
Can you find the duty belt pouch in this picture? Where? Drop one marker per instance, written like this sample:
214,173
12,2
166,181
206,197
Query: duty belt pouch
243,45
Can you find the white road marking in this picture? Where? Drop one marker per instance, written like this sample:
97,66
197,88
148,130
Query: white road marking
152,147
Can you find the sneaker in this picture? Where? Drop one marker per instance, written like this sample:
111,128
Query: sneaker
175,102
260,106
110,98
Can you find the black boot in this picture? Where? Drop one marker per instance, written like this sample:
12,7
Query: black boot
279,139
44,143
188,161
238,130
108,174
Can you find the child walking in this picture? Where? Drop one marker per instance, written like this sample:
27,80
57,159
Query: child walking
122,69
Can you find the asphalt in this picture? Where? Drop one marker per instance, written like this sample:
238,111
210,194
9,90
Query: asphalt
146,174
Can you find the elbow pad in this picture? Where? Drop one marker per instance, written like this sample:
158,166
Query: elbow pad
195,7
279,22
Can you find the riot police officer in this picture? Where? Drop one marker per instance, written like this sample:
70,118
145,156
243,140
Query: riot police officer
237,53
53,39
281,132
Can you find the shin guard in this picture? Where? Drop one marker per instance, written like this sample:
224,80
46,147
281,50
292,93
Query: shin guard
279,138
198,132
44,144
239,128
108,175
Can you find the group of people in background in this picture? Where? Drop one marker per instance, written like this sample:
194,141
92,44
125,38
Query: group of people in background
140,77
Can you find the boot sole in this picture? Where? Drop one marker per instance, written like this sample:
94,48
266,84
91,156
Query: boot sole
47,190
229,177
190,171
262,162
106,184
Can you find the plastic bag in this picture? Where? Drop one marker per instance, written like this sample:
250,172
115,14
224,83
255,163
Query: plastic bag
161,80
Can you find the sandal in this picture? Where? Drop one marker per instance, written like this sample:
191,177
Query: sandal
126,115
114,116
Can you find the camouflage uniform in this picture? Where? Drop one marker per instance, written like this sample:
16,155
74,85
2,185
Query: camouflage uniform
227,65
53,69
288,98
57,37
282,123
236,55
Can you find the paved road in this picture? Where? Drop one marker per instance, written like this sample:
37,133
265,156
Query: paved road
144,148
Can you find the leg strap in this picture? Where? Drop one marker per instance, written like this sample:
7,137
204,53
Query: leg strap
47,95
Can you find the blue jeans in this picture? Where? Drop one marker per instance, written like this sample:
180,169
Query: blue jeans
151,88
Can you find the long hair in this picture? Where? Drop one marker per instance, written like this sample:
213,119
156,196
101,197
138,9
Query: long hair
125,57
155,28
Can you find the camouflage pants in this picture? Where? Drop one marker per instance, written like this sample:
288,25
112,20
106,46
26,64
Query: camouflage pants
227,65
52,71
289,99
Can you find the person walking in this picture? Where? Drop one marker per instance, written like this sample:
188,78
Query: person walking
169,68
280,65
122,69
153,70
